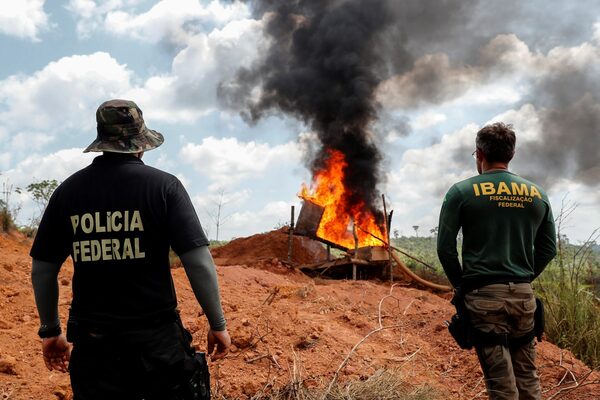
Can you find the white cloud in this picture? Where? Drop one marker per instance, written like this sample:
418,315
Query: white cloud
23,18
597,32
174,21
5,159
90,14
30,141
64,94
227,161
212,40
36,167
59,165
247,223
189,90
428,119
586,216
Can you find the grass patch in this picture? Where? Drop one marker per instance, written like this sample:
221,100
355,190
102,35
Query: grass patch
572,308
382,385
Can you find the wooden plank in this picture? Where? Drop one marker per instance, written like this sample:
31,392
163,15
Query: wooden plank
309,219
372,253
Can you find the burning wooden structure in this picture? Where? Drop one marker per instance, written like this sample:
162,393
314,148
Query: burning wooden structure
332,215
358,262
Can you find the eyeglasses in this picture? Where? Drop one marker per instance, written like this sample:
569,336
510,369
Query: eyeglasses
474,154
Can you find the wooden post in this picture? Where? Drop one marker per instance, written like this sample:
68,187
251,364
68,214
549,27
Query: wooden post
387,223
355,249
291,235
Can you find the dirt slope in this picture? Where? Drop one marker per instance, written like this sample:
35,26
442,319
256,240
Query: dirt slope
273,313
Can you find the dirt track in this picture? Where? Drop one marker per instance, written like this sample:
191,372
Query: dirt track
274,312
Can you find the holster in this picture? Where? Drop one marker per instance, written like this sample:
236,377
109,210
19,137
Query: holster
539,319
459,325
198,386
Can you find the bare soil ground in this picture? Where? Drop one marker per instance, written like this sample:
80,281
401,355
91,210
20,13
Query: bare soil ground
280,319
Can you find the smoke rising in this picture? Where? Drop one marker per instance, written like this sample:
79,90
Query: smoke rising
322,68
324,64
336,64
570,121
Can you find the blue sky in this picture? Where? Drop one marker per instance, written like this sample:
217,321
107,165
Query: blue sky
61,59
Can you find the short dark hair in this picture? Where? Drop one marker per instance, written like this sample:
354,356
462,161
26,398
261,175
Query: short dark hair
497,142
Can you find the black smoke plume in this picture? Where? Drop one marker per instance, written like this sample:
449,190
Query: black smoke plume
323,66
322,69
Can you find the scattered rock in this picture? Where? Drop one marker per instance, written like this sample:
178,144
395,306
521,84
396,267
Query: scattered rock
249,388
8,365
61,394
243,340
5,325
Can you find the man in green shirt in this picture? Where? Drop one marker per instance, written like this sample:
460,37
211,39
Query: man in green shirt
508,239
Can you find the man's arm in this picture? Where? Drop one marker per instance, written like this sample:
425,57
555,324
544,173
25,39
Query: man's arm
448,228
56,350
200,269
544,245
44,277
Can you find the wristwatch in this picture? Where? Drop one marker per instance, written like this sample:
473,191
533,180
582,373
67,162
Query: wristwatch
45,332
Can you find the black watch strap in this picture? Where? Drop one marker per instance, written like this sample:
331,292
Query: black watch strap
45,332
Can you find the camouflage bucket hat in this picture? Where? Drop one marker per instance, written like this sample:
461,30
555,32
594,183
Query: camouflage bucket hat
121,129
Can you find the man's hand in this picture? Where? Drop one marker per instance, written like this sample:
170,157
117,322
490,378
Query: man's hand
57,353
222,340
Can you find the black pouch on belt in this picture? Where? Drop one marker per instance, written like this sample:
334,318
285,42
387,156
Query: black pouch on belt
539,320
459,325
198,385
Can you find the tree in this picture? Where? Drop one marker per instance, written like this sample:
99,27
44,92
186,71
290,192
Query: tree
8,212
216,215
41,192
416,228
396,234
434,231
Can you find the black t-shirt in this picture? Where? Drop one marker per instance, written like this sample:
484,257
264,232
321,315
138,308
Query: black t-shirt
117,219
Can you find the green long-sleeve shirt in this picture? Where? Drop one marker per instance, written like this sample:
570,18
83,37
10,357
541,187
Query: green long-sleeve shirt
507,226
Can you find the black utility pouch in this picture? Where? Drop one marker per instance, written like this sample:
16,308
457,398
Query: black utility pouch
198,386
460,329
539,319
73,330
459,325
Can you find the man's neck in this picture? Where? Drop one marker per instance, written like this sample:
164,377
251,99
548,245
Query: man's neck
495,166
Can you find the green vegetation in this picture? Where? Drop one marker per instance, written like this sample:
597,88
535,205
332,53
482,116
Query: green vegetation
8,211
569,288
424,250
40,191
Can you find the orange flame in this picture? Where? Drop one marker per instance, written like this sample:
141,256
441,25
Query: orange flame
328,191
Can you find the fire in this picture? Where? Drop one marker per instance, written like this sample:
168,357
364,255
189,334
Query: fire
328,191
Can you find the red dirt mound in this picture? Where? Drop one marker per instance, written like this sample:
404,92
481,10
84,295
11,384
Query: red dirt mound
281,323
267,246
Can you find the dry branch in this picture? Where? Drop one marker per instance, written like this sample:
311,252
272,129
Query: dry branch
357,345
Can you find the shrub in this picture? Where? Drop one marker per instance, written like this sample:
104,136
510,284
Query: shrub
572,308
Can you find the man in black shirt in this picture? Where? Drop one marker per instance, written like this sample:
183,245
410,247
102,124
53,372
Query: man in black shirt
117,219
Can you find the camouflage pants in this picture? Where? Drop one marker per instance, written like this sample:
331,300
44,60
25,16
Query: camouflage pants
510,373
